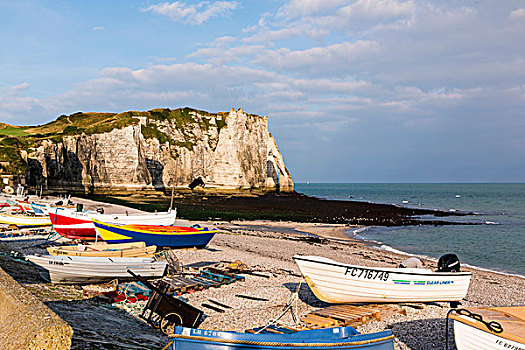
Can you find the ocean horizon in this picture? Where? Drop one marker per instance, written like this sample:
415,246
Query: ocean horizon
496,242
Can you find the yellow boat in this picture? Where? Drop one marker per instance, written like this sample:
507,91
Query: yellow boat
134,249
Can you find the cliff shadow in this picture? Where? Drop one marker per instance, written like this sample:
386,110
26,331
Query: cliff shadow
64,172
156,170
35,173
94,326
273,173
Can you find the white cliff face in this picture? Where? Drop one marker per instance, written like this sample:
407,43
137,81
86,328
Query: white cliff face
227,151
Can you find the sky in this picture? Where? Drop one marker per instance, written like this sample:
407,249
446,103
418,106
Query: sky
355,91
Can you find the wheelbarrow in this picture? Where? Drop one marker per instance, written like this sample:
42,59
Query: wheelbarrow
165,312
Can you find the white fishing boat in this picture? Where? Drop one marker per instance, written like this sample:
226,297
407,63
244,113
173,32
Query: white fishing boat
24,220
87,269
134,249
494,328
335,282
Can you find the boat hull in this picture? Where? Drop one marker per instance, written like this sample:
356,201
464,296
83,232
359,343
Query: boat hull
78,225
82,270
185,237
507,328
471,338
84,231
335,282
331,338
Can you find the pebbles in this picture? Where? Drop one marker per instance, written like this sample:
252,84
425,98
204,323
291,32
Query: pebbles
420,329
270,251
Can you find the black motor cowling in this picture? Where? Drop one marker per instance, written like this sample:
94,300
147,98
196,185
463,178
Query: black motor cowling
448,263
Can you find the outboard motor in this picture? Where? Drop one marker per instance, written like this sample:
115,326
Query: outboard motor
448,263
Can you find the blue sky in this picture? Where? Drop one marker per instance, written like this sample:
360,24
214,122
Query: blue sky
355,91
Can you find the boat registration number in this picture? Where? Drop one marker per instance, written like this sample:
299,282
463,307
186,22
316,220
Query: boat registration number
367,274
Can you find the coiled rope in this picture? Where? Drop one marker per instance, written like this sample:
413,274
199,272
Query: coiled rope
492,326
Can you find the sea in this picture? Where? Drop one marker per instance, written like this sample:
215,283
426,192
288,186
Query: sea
497,243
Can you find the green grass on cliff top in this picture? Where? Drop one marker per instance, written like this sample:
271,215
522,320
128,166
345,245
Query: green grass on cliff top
94,122
13,131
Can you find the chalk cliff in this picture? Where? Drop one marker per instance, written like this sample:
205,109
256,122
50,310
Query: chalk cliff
158,149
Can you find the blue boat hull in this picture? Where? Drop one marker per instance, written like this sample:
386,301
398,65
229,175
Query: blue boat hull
329,338
114,234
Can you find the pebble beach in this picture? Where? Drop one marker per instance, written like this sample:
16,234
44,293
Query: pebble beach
268,248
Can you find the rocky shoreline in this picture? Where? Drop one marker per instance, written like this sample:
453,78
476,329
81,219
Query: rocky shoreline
267,247
292,206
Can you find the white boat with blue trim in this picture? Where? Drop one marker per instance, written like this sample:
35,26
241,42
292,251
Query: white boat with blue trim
90,269
336,282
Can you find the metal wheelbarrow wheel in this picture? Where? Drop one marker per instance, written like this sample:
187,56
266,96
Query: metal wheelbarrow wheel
169,321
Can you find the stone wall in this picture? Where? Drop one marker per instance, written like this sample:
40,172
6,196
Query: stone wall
231,151
26,323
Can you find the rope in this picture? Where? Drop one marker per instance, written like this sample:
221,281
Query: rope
54,218
289,306
15,257
280,344
446,328
167,345
492,326
48,239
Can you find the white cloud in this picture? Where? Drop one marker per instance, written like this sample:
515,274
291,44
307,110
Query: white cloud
296,8
377,8
319,19
517,14
14,107
16,89
226,50
193,14
332,59
98,28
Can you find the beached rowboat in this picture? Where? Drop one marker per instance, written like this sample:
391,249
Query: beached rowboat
88,269
78,225
161,236
494,328
24,221
336,282
328,338
134,249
